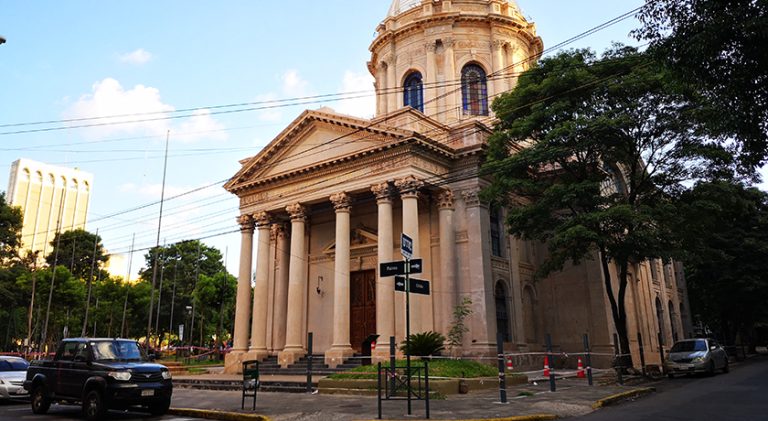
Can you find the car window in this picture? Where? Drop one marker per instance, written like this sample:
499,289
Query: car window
116,351
69,350
689,346
13,365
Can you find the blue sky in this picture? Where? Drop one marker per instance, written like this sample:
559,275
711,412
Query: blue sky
79,59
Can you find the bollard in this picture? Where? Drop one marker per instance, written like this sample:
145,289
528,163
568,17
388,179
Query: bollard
617,359
551,358
642,353
588,358
378,387
502,373
426,384
309,362
392,364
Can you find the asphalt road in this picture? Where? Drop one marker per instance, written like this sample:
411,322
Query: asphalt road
741,395
20,410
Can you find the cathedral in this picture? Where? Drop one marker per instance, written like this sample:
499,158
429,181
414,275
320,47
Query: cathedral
327,200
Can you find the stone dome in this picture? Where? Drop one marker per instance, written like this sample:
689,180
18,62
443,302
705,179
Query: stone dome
401,6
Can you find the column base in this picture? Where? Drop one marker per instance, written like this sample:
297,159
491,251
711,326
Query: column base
336,356
289,356
258,355
233,362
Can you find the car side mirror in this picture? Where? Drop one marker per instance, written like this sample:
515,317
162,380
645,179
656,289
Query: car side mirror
712,348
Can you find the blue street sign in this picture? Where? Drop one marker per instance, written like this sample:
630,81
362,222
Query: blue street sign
406,246
399,268
418,286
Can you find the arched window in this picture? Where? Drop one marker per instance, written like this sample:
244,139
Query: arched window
413,91
496,232
474,90
502,316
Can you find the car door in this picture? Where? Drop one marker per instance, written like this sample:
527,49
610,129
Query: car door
718,353
63,368
80,370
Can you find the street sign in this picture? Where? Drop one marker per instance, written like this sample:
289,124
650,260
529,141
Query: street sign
406,246
398,268
418,286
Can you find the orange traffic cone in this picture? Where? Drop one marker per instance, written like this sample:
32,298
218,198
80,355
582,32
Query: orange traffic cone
509,363
580,370
546,366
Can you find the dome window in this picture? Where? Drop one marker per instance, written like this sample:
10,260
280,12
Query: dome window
413,91
474,90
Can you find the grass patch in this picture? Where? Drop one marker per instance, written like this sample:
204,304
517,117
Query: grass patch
437,368
525,393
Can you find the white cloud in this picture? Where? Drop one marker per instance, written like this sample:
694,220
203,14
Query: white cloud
136,57
363,103
139,110
293,84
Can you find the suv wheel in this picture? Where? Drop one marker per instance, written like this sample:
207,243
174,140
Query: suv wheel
93,406
40,402
160,408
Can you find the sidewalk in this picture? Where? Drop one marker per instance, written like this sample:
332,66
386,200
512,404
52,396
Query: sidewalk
572,398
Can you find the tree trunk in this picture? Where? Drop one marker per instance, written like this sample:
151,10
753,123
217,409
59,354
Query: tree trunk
618,310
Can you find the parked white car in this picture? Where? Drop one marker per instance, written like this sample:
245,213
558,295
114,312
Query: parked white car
13,371
701,355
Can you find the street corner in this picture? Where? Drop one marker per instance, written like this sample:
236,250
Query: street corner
210,414
629,394
530,417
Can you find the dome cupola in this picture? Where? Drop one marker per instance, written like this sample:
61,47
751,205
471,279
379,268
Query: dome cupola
450,58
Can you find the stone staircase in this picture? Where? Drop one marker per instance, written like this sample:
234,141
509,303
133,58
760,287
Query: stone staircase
273,378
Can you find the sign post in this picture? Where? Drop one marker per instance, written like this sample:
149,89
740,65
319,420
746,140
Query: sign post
406,249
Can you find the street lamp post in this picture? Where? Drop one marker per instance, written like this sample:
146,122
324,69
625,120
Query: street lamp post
2,40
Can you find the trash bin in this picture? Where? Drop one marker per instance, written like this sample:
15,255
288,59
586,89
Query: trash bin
366,349
250,382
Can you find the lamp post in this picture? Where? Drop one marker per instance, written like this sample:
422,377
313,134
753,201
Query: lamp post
2,40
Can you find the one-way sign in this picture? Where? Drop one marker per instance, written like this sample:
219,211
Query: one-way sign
418,286
398,268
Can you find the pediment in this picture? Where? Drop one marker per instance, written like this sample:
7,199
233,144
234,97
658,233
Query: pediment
409,118
314,138
359,238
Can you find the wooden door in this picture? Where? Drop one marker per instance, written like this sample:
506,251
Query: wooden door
362,302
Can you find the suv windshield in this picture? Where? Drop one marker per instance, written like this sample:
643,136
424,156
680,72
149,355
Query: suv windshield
690,346
116,351
13,365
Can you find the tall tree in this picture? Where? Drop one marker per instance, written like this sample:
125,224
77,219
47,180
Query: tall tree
216,294
725,236
76,252
585,156
10,230
718,48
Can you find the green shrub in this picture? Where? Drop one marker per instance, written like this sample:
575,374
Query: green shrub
424,344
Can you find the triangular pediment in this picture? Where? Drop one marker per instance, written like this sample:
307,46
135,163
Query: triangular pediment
314,138
359,238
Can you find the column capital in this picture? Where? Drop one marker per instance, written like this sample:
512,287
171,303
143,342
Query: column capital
448,42
498,44
246,223
409,186
445,199
342,202
472,197
278,230
262,219
383,192
297,212
431,46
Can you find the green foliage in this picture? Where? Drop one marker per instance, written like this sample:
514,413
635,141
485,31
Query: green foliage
588,156
437,368
725,236
717,48
424,343
458,328
75,250
10,230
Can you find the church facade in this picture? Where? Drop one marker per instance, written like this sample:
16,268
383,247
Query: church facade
326,201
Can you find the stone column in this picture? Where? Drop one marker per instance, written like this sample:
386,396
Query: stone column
341,348
297,289
409,193
281,286
392,92
500,73
452,100
243,299
381,86
430,88
483,319
258,350
385,287
446,290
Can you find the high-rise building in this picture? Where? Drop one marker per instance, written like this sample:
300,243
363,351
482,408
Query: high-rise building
50,197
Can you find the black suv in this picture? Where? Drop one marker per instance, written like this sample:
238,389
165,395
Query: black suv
100,374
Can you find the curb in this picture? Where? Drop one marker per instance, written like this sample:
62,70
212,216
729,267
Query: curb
217,415
634,393
531,417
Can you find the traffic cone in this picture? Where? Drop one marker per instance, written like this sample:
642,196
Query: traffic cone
373,345
580,370
509,363
546,366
